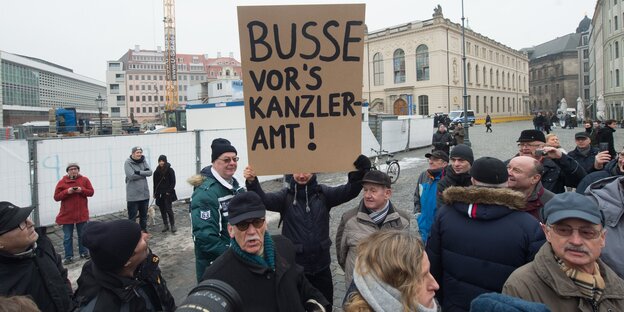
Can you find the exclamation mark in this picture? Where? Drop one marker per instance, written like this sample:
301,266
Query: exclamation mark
311,146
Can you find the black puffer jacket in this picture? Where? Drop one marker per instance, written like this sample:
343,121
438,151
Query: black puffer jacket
164,182
104,291
586,161
38,274
478,239
305,214
442,141
609,170
449,179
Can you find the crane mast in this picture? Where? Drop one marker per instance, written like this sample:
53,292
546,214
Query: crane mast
171,67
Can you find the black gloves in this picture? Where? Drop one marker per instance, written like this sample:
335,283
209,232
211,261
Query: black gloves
137,172
362,163
146,169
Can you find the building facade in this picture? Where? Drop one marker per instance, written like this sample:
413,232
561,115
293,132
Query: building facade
416,68
136,85
31,87
583,59
606,44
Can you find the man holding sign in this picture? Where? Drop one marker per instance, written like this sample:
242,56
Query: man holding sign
303,90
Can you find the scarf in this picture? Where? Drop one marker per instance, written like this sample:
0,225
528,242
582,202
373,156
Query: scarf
584,152
591,286
382,297
267,260
379,216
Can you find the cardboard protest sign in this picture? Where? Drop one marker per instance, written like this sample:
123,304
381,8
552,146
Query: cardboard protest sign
302,86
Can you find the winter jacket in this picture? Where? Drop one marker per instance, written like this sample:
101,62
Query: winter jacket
356,225
605,135
479,238
74,207
593,135
559,173
164,184
543,281
442,141
536,200
209,210
137,172
38,274
264,289
304,210
451,179
609,170
587,162
609,195
425,200
458,135
102,291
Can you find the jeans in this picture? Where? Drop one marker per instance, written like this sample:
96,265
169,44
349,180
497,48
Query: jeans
166,211
323,282
139,206
68,241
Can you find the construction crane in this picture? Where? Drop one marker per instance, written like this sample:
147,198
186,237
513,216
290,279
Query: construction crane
174,117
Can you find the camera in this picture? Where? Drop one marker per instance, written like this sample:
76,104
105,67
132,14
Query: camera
539,153
212,295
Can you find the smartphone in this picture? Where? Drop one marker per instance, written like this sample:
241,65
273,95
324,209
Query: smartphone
603,146
539,152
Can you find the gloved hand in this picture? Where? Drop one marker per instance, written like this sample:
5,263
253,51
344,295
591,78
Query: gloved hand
362,163
146,169
137,172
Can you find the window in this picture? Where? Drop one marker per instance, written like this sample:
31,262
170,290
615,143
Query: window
131,98
422,63
115,110
131,110
497,104
149,98
586,80
615,22
617,49
484,73
149,87
129,77
423,104
477,97
492,77
503,80
497,79
161,98
130,87
143,98
378,70
503,105
143,87
477,73
617,77
143,109
149,109
399,66
468,72
546,89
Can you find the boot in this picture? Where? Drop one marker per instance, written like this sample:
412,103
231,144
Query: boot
173,229
166,228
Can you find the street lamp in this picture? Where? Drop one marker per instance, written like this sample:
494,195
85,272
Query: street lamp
100,104
466,126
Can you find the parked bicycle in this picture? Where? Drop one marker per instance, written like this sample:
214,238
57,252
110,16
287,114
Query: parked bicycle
392,165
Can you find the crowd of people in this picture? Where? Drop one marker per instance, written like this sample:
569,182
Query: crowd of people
540,231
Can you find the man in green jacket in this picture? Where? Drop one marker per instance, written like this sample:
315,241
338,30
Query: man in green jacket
209,204
567,274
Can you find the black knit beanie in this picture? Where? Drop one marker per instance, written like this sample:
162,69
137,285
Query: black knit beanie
489,170
464,152
163,158
220,146
111,243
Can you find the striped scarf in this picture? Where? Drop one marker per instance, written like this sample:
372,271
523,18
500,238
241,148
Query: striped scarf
590,285
379,216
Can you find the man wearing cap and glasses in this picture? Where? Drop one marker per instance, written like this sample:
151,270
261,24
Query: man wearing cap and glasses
375,212
214,188
29,265
261,268
137,170
567,274
615,167
425,195
559,169
586,155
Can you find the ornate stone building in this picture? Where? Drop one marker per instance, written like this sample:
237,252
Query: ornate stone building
416,68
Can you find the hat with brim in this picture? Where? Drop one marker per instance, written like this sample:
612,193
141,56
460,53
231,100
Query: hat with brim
438,155
581,135
245,206
11,216
571,205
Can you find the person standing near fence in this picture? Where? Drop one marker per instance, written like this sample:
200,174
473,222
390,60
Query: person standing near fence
164,192
72,191
137,192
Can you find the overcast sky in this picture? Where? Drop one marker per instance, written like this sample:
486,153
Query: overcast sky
84,34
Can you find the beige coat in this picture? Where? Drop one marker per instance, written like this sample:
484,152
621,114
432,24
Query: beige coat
356,225
543,281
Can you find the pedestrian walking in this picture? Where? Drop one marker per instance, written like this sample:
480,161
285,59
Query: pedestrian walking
164,192
488,123
72,191
137,192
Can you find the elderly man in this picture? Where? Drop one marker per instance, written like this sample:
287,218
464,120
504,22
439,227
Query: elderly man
442,140
586,155
29,265
567,274
425,196
559,169
214,188
137,170
480,236
123,274
608,193
375,212
525,175
261,268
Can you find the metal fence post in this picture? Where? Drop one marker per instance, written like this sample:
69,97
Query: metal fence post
34,179
197,151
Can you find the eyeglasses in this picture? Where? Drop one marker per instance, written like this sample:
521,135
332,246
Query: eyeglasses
229,160
528,145
566,230
243,226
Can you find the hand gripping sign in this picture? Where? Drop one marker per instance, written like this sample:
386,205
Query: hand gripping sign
302,72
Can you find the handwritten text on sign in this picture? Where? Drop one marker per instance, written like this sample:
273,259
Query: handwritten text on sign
302,69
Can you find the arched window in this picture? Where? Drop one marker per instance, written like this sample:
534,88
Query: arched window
399,66
378,70
484,73
492,77
497,82
423,105
477,72
468,72
508,81
503,78
422,63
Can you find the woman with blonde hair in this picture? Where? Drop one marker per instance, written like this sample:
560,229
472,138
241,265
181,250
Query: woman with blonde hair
392,274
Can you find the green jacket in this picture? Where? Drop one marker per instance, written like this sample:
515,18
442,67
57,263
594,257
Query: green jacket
543,281
209,218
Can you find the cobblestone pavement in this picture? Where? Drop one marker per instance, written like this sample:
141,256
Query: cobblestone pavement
176,250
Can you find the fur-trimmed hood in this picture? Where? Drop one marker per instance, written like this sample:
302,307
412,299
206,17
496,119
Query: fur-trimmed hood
489,201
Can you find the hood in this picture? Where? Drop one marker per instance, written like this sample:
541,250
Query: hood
197,179
609,194
311,185
489,199
137,161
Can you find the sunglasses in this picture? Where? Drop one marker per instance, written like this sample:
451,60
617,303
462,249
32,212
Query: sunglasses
244,225
584,232
229,160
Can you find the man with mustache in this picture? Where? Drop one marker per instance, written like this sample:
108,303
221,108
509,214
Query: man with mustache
261,268
567,274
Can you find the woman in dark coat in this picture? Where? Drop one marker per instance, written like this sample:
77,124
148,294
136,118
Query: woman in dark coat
164,192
